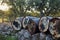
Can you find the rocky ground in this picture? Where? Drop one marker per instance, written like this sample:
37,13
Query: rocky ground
7,30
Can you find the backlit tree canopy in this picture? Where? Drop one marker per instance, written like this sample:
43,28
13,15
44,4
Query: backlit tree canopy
44,6
31,7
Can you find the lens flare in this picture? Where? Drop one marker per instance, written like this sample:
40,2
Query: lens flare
4,7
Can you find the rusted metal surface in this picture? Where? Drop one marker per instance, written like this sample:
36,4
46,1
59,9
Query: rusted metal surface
31,23
55,27
17,23
44,24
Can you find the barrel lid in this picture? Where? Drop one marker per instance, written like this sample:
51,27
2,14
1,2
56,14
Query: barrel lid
45,23
18,23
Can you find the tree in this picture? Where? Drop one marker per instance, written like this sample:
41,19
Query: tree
46,7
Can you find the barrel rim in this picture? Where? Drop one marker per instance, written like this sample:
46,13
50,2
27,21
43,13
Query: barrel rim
19,28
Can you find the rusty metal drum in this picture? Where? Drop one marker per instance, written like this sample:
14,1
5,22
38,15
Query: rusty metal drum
31,23
17,23
54,27
43,23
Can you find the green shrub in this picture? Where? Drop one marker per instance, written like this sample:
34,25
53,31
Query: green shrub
2,37
11,38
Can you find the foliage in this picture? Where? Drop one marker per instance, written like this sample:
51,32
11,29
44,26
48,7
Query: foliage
20,8
2,37
11,38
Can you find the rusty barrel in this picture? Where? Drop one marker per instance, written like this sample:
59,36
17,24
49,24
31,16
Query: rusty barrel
54,27
17,23
44,23
31,24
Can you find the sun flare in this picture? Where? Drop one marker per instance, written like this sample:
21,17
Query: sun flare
4,7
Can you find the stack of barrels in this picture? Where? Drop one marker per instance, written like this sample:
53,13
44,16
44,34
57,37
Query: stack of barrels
45,28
